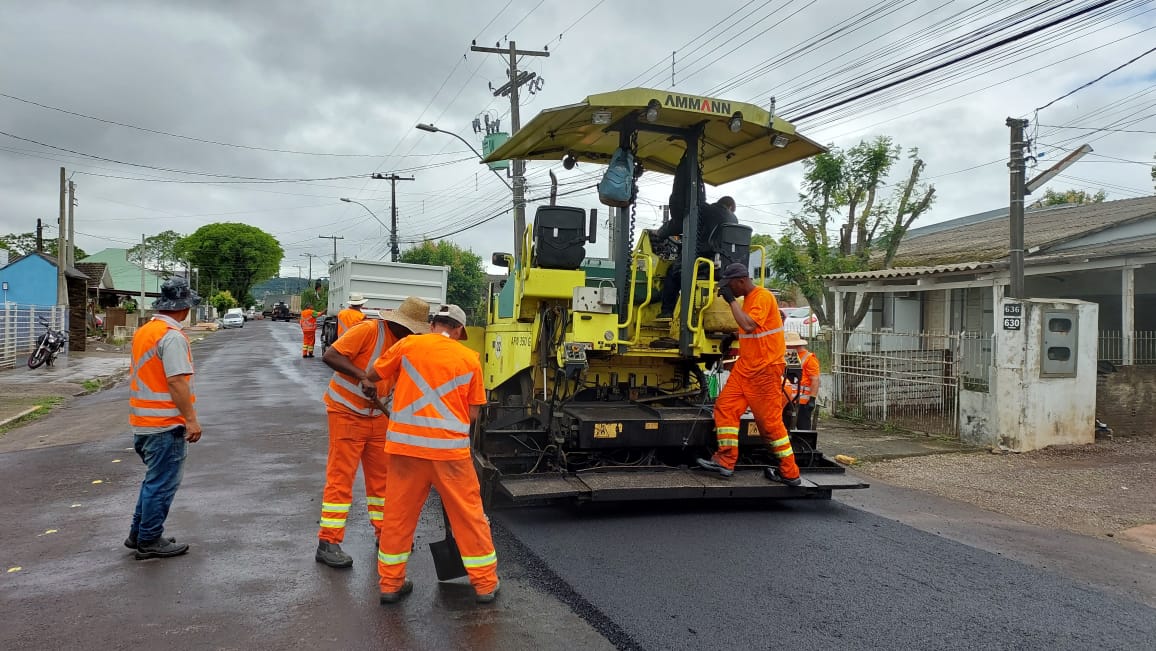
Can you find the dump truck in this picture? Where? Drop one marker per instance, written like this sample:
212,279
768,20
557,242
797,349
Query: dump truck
383,284
592,397
292,303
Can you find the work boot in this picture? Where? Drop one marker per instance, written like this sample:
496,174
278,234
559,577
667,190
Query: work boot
160,548
331,554
130,542
394,597
489,597
773,474
711,464
665,316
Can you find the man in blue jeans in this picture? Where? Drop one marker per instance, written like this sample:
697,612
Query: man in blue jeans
162,415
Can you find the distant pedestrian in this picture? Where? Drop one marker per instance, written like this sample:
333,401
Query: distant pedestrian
351,315
309,330
806,389
356,427
162,416
437,393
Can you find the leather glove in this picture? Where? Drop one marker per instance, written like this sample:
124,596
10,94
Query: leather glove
726,293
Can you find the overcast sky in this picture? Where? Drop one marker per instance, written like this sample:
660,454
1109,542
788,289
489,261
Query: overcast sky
354,77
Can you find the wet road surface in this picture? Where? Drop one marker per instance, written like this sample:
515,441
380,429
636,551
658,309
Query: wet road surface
811,575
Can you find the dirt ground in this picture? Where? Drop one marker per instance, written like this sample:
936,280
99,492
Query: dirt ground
1101,489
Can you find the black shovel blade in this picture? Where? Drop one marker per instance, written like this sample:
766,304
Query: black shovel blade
447,559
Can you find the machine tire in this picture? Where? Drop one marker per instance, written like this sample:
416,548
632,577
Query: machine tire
38,358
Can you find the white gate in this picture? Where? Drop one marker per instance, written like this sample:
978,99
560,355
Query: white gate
21,325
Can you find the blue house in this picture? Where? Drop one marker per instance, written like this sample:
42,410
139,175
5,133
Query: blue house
31,280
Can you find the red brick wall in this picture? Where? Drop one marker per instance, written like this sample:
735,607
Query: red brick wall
1126,400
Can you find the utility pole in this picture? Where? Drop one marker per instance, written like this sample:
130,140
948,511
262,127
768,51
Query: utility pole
310,256
334,238
1018,169
140,308
393,179
298,271
70,247
511,88
39,235
61,279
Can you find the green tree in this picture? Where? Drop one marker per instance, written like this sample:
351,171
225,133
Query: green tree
847,225
1072,196
316,298
223,301
159,252
24,243
467,278
231,256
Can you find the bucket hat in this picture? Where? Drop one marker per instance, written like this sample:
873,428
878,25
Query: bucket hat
357,299
176,295
412,314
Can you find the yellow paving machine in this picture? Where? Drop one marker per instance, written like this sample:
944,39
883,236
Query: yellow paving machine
592,396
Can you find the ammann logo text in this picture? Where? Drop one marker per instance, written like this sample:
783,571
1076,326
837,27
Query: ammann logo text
699,104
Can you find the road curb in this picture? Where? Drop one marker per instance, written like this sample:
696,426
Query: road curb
30,410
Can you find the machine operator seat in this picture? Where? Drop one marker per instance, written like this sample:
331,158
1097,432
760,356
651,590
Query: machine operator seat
559,237
732,242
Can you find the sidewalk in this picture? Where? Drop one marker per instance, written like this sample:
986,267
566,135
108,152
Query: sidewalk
866,443
24,388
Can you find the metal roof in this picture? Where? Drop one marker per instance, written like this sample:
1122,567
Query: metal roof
583,129
909,272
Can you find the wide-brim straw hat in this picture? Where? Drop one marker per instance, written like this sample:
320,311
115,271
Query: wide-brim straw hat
792,338
412,314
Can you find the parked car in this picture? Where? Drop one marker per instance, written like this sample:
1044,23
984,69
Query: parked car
233,320
801,320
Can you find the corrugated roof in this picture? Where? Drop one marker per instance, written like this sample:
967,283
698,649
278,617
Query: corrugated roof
907,272
95,272
987,240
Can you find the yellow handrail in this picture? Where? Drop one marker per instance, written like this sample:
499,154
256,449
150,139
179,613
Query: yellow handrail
759,277
710,298
631,311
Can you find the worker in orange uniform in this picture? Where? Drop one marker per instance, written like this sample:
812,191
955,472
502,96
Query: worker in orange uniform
807,388
309,330
437,394
351,315
356,427
755,381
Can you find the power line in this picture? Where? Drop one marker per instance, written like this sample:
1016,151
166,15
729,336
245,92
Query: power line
1117,68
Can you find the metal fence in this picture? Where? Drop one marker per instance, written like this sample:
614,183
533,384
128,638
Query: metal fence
20,326
1127,348
907,380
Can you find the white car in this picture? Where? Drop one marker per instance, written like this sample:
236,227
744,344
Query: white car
801,320
233,320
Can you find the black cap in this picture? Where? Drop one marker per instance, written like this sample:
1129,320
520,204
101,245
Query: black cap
735,270
176,295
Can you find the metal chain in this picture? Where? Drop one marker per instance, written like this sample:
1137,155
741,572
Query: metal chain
633,192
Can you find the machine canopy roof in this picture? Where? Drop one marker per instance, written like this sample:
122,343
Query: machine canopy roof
583,130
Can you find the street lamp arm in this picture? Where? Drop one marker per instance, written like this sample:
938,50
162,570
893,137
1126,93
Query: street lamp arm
432,129
347,200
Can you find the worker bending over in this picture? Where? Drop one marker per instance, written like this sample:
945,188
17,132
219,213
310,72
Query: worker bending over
437,394
356,426
309,330
807,389
351,315
756,379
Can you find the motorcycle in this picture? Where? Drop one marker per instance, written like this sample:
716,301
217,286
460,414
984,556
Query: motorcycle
48,346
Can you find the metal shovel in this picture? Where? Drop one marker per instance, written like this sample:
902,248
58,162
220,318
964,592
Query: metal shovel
446,556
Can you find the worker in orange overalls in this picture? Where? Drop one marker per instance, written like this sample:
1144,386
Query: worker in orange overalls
755,380
807,389
437,394
356,427
351,315
309,330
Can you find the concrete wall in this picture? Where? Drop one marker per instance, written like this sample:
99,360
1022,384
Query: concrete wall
975,419
1126,400
1032,412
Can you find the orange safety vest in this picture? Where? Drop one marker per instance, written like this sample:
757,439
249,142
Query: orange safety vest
810,378
308,321
765,346
343,393
437,381
348,318
150,403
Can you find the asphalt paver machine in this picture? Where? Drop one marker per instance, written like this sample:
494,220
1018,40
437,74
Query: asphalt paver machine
592,396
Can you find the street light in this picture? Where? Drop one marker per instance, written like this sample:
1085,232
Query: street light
432,129
392,235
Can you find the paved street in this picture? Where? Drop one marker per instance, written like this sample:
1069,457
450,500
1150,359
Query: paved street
881,569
